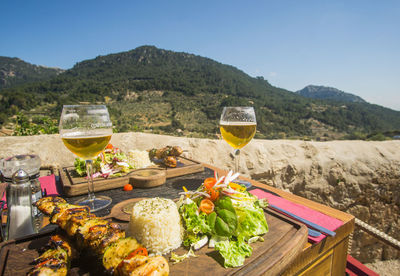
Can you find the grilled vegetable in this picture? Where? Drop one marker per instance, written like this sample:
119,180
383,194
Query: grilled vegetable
84,230
54,261
117,251
58,253
50,266
143,265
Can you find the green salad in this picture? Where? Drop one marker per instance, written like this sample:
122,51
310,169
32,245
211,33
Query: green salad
224,215
112,162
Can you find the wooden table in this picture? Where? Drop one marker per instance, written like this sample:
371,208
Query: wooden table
328,257
325,258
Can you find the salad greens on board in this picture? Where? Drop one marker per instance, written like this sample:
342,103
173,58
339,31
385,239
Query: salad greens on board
223,214
112,162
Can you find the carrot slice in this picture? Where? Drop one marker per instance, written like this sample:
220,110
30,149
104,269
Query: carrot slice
214,194
209,182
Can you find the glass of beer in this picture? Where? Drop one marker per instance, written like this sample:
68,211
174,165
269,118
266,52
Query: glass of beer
238,126
86,130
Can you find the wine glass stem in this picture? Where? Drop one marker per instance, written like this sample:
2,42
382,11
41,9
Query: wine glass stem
237,159
89,172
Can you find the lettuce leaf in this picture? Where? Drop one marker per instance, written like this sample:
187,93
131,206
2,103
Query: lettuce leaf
195,223
251,222
233,252
80,166
225,222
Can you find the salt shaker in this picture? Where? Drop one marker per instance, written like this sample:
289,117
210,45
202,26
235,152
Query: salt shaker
20,221
30,163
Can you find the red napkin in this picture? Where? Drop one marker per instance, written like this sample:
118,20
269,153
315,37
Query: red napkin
301,211
47,183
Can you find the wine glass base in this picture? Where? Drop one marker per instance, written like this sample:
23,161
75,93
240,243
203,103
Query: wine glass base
96,204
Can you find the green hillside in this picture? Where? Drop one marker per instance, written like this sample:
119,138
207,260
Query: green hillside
14,71
154,90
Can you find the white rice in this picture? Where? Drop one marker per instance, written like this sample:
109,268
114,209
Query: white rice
155,223
139,159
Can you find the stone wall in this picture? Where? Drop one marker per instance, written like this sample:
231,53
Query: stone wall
358,177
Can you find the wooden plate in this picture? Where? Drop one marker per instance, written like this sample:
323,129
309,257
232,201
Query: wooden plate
148,178
74,185
122,210
284,241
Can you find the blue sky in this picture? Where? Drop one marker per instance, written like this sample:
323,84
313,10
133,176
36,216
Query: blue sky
350,45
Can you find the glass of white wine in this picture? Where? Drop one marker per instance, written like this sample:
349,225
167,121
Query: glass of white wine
238,127
86,130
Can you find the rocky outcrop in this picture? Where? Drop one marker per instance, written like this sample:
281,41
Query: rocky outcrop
358,177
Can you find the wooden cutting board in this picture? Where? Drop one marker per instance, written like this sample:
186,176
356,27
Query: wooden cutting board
284,241
74,185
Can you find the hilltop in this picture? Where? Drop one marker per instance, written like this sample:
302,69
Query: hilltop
154,90
14,71
329,93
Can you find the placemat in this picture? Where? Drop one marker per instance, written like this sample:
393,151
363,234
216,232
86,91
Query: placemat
301,211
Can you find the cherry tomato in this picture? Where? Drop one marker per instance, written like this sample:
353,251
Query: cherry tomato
206,206
109,146
214,194
128,187
209,182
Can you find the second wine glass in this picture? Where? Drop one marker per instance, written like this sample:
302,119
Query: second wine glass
238,127
86,130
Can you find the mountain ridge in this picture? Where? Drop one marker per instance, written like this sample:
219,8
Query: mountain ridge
15,71
161,91
328,93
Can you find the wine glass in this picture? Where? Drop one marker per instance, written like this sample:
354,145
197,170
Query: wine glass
86,131
238,126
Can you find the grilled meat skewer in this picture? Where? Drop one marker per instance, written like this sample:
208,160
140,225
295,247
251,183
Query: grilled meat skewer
54,261
98,236
168,154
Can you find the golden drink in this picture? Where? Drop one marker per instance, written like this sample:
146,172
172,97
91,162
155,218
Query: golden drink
86,147
237,134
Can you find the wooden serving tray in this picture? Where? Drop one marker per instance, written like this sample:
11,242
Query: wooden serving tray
284,241
75,185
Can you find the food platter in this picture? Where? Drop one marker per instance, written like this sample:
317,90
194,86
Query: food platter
284,241
73,184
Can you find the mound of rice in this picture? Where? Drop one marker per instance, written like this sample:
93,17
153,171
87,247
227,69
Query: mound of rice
139,159
155,223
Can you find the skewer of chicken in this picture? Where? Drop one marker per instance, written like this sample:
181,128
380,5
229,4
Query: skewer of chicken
54,261
102,238
168,154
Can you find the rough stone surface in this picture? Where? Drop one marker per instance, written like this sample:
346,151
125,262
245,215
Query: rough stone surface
385,268
358,177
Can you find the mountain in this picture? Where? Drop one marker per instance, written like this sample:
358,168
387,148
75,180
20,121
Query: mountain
154,90
14,71
329,93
